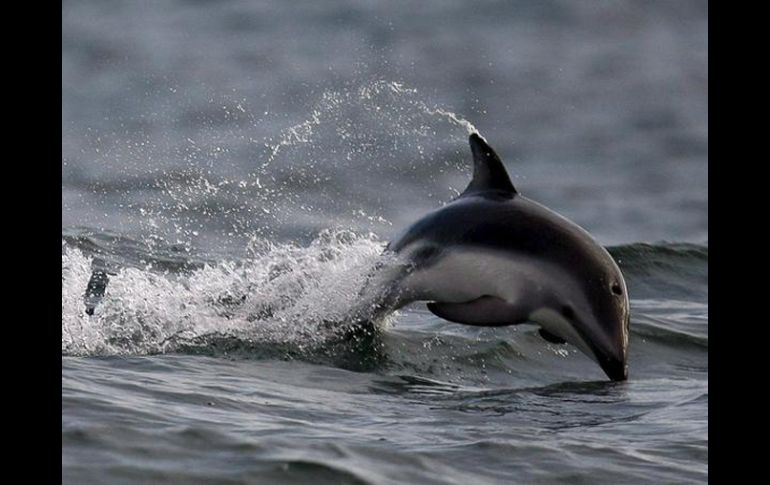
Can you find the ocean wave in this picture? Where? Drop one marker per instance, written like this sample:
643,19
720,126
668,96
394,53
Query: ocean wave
669,270
286,301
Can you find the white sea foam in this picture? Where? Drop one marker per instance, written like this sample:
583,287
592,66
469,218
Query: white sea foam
283,293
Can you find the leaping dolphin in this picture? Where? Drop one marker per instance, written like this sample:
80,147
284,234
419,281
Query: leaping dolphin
492,257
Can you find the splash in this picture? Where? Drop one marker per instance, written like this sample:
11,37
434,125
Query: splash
398,107
364,154
469,128
283,294
360,145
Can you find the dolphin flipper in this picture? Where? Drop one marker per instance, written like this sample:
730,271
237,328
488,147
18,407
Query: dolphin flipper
487,311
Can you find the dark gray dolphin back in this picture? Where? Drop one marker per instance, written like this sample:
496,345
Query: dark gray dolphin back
487,221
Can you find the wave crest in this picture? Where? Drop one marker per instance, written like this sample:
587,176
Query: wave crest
283,294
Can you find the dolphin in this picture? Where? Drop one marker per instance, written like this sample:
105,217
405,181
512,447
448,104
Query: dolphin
492,257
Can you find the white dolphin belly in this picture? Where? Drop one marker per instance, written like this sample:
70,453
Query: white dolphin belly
465,274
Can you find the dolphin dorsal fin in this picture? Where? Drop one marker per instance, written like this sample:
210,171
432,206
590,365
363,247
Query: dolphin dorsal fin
489,174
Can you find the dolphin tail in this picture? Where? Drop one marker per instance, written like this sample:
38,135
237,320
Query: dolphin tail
97,286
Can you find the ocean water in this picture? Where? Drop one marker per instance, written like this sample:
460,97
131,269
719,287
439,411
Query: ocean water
237,167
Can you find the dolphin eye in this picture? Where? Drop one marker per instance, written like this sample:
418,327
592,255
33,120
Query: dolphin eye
616,289
567,311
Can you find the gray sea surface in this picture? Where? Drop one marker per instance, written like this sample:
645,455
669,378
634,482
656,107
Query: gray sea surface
238,168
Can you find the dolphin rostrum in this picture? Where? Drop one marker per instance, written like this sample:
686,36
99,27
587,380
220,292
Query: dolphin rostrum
492,257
